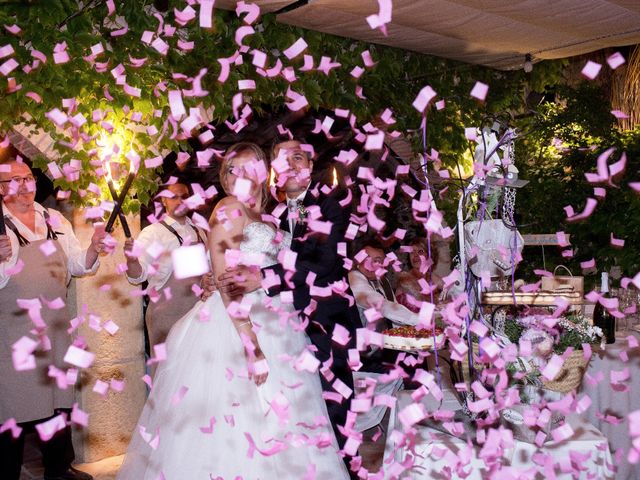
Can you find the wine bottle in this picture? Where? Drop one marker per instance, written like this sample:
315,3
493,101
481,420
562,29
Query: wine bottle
601,316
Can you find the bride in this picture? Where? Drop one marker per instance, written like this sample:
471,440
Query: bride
239,396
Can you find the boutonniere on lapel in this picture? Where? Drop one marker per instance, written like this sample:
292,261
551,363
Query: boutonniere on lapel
302,211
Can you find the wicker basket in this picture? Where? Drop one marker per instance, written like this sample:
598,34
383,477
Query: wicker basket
570,376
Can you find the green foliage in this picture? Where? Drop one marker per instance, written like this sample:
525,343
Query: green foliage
563,144
572,330
513,331
392,83
579,118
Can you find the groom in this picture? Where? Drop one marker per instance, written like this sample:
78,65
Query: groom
316,255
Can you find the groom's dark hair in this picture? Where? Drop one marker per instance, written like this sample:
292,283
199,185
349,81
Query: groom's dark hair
286,138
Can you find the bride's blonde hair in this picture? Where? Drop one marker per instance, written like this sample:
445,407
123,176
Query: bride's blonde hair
238,149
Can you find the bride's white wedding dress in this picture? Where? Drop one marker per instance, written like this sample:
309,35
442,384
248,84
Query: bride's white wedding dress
205,419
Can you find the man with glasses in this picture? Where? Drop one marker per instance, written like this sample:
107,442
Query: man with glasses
38,255
170,298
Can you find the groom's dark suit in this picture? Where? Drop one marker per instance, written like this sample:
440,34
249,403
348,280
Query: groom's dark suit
318,254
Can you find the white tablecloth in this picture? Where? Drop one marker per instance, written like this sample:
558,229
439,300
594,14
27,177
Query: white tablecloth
607,400
430,463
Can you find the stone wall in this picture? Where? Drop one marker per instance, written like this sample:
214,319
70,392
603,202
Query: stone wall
112,418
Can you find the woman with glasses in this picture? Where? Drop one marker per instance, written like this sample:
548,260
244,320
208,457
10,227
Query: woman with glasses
38,254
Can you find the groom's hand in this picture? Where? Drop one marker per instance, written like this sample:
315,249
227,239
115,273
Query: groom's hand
239,280
208,285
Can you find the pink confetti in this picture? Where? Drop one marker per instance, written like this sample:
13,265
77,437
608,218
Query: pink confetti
48,429
246,85
79,417
478,328
22,354
425,315
60,57
471,133
7,67
78,357
184,16
616,242
340,335
206,13
619,166
296,49
11,424
251,9
588,264
179,395
307,361
175,102
423,98
298,101
357,72
342,388
209,429
588,210
55,304
13,29
618,376
366,58
132,91
563,239
591,70
6,50
383,16
119,32
259,58
48,248
619,114
553,367
562,433
111,327
160,46
243,32
111,8
615,60
190,261
480,91
375,141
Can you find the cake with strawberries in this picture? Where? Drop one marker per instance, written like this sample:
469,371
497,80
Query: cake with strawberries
410,338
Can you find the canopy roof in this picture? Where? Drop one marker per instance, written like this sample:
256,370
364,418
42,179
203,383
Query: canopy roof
494,33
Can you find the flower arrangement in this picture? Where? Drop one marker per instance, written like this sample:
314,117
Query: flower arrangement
571,330
302,211
548,335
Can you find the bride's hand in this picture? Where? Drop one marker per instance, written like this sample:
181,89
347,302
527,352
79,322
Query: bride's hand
256,361
259,367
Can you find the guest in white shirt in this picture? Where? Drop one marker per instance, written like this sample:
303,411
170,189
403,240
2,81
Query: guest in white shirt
38,255
170,298
372,289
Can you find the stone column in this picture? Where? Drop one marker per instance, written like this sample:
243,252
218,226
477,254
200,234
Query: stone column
112,418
